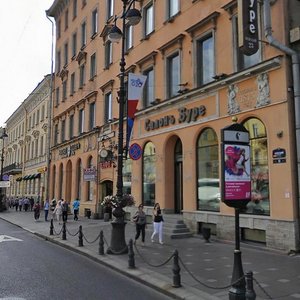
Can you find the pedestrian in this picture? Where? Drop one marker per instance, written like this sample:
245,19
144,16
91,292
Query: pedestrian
76,205
157,223
140,224
16,203
36,210
21,204
65,207
58,211
26,204
46,209
31,201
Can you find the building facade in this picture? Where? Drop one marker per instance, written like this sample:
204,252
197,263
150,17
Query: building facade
198,80
27,155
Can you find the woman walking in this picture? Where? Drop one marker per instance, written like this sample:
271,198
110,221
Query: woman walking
58,211
157,223
140,223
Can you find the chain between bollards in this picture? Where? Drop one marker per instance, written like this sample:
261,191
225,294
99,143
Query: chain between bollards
51,227
176,271
64,232
101,243
131,263
80,237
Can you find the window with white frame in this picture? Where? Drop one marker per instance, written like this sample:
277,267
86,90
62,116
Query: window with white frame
92,121
173,75
110,8
74,44
81,121
83,34
205,59
72,86
81,75
173,8
129,37
108,54
66,56
94,21
149,87
108,107
148,17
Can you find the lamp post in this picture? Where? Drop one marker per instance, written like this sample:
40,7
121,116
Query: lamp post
3,135
133,17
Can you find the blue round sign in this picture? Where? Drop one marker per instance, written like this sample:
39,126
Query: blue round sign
135,151
5,177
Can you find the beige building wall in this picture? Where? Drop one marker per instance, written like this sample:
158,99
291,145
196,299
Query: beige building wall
253,90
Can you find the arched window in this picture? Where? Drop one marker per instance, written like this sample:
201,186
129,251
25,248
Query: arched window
60,176
127,176
53,180
260,204
149,174
79,178
208,182
91,183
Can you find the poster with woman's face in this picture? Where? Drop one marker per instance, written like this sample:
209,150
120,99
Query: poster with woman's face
237,172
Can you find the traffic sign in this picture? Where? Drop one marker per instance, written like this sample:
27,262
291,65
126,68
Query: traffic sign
135,151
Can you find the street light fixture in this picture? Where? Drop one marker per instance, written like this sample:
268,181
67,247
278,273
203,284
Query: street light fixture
133,17
3,135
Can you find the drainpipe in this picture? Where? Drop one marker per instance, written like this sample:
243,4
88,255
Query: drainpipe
50,115
296,83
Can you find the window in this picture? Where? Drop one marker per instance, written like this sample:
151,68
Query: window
93,70
83,34
260,204
81,121
173,8
108,54
81,75
55,134
71,127
148,19
129,37
66,19
127,176
72,87
243,61
149,174
63,131
57,96
108,107
92,116
79,178
37,116
149,87
43,113
58,63
74,9
110,8
64,87
36,148
74,44
173,75
208,182
94,22
205,60
58,29
42,146
66,57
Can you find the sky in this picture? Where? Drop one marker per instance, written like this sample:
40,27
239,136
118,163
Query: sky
25,51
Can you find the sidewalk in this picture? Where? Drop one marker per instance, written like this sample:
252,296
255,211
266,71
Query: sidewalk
205,264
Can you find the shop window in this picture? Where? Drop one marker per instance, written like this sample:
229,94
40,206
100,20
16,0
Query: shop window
260,203
208,181
78,178
60,186
127,171
149,174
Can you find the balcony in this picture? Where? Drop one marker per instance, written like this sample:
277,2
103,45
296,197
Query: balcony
13,169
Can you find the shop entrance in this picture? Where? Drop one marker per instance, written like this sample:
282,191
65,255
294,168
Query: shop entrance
178,178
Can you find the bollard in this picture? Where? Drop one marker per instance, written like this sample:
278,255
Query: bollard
51,227
80,236
101,243
131,263
64,232
176,271
250,293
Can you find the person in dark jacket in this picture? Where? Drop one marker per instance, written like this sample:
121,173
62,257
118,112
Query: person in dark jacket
65,207
140,223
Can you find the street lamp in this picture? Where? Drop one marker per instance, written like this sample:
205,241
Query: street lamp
3,135
133,17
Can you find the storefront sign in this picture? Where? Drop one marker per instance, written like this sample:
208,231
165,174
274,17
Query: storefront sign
236,179
69,151
279,156
89,174
106,164
185,115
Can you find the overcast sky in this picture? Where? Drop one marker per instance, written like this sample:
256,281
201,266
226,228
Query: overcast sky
25,51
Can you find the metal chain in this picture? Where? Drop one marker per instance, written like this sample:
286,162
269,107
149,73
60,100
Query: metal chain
265,292
105,241
58,232
206,285
93,240
71,233
151,265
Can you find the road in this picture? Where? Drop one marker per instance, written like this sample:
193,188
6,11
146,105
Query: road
33,269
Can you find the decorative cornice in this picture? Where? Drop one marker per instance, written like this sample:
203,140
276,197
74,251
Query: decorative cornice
107,85
177,40
81,56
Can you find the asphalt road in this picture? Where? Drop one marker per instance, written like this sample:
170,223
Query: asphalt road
33,269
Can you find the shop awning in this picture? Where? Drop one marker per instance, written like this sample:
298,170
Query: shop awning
19,179
25,177
37,175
